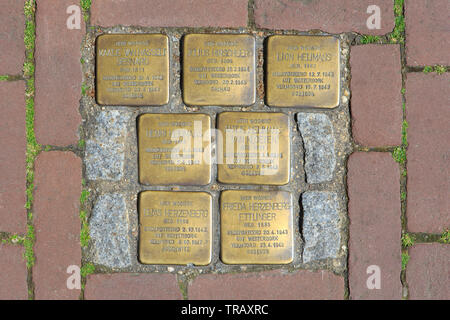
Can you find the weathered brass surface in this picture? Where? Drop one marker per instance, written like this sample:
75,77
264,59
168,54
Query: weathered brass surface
174,149
255,148
132,69
256,227
175,227
219,69
303,71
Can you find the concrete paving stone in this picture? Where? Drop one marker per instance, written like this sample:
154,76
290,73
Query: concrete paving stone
427,32
12,47
428,272
318,139
331,16
375,225
13,143
124,286
105,151
428,154
108,227
320,225
57,223
170,13
58,74
376,102
13,275
270,285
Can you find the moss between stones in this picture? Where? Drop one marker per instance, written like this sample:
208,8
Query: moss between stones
398,34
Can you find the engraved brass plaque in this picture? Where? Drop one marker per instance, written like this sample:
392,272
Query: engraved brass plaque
132,69
303,71
256,227
174,149
175,227
219,69
255,148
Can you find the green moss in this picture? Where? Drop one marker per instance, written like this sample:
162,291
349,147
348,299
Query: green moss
405,133
440,69
84,89
405,260
427,69
86,6
403,91
437,68
403,196
397,35
87,269
84,233
81,144
84,196
14,239
28,244
407,240
399,155
445,237
4,78
365,39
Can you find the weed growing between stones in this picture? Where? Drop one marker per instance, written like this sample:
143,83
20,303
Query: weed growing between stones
445,237
437,68
407,240
405,260
365,39
398,34
85,6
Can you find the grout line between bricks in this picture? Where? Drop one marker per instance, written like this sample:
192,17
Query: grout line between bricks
399,154
33,148
251,23
86,268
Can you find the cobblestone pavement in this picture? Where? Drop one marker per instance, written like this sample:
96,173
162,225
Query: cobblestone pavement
372,188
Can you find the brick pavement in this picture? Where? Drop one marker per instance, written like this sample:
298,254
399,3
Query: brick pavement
397,179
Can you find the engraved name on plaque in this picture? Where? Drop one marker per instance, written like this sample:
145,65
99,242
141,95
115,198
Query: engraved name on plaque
175,227
132,69
255,148
256,227
219,69
302,71
174,149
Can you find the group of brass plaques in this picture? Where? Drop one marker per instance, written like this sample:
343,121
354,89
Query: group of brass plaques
218,70
251,148
176,227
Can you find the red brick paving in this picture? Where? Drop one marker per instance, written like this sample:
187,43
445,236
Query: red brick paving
58,75
13,215
272,285
428,114
123,286
428,272
13,275
57,223
330,16
183,13
12,47
427,32
375,228
376,102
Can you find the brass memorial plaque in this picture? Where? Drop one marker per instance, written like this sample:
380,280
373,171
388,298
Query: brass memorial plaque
174,149
255,148
132,69
219,69
256,227
303,71
175,227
